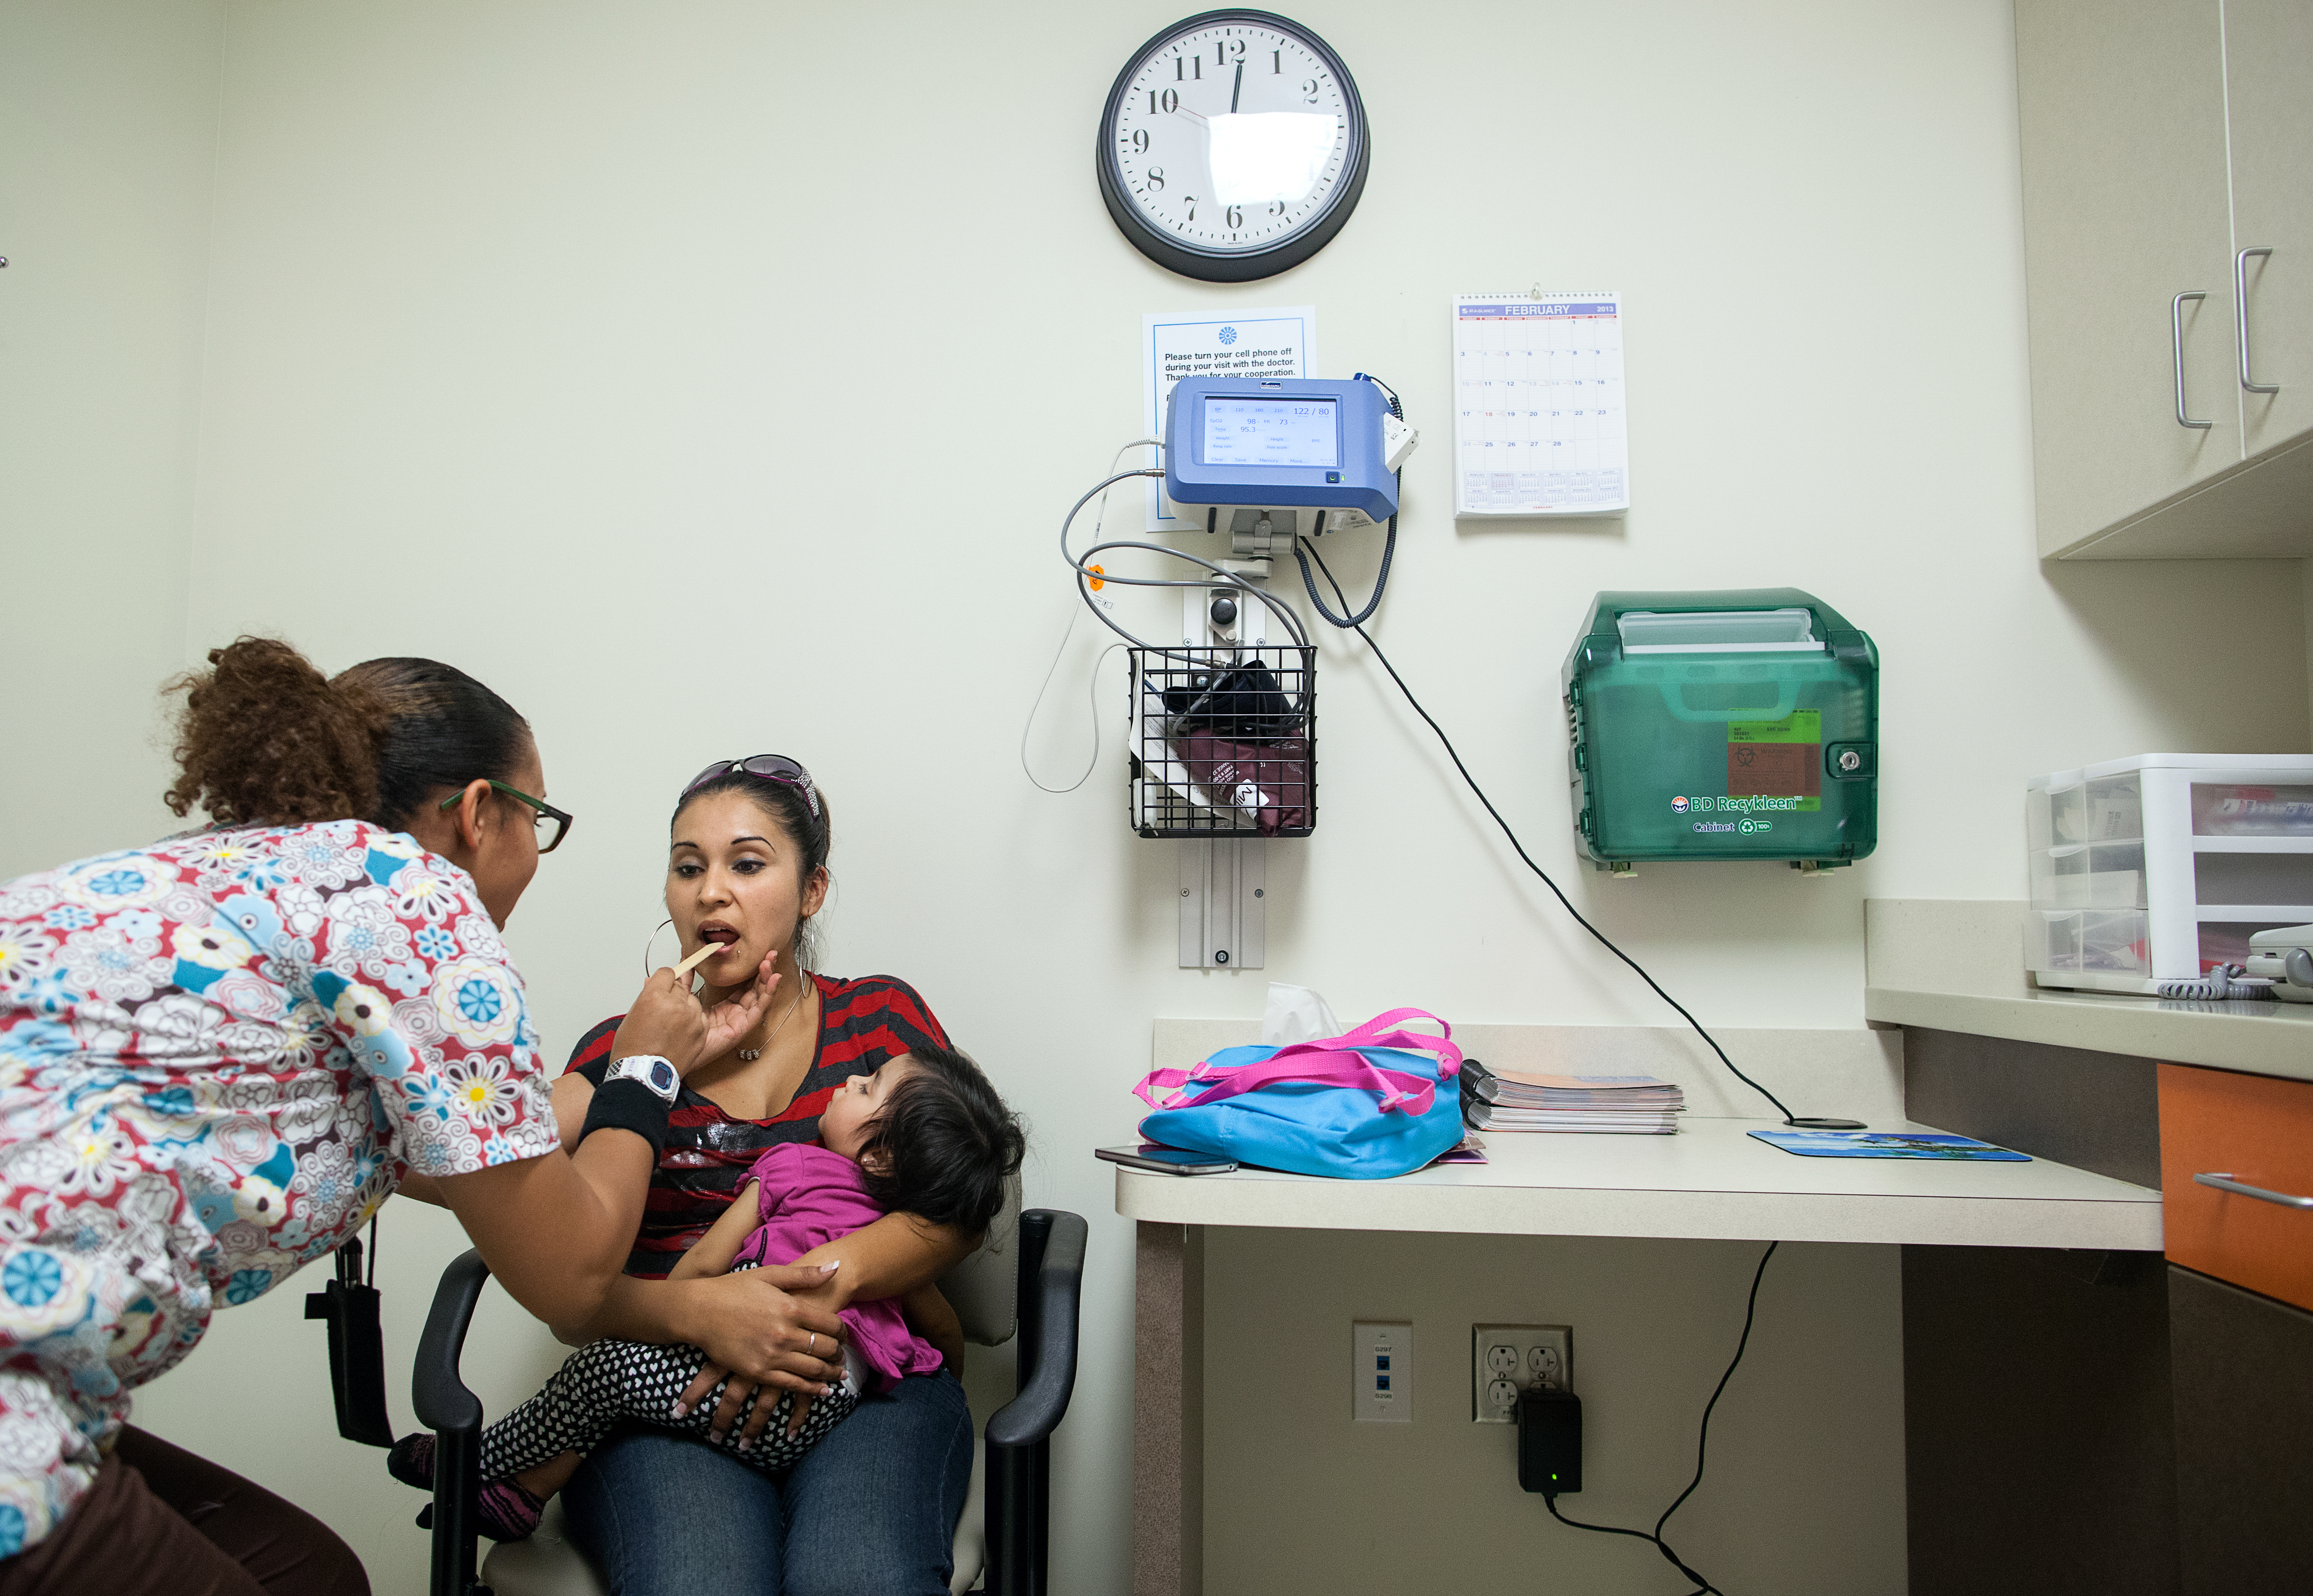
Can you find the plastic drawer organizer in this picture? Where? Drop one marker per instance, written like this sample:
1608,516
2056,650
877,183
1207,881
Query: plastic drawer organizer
2154,868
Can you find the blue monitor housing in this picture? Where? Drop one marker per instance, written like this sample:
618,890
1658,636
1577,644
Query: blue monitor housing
1278,442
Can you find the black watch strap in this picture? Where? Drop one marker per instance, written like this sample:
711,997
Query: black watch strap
628,1105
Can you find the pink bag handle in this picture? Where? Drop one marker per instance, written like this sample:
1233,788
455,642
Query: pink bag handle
1344,1066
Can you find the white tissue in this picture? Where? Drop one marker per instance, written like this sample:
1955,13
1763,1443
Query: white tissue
1297,1014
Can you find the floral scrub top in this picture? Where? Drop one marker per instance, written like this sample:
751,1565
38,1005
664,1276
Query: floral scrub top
218,1054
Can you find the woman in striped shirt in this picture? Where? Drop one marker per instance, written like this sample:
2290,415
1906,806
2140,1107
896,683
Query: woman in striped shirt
874,1508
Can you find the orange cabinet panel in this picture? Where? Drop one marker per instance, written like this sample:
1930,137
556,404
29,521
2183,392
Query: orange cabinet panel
2258,1130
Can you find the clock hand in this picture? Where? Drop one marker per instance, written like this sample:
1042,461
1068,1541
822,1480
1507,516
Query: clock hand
1238,88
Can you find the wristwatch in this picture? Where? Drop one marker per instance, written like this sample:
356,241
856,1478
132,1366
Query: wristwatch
650,1069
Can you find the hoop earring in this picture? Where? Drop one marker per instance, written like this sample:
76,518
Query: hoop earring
661,925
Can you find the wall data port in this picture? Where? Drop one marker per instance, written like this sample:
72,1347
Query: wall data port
1381,1373
1506,1359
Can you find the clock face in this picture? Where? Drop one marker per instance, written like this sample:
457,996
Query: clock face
1233,146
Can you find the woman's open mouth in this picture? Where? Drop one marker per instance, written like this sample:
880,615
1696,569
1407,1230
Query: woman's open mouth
723,934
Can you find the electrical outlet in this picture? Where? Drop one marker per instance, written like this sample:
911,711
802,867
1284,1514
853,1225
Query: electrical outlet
1381,1373
1506,1359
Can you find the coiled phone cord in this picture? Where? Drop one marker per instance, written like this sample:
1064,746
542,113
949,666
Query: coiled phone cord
1388,546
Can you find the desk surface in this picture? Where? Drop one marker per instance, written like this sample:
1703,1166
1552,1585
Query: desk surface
1712,1180
1958,965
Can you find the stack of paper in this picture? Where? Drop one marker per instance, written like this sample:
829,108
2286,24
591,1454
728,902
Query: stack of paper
1515,1100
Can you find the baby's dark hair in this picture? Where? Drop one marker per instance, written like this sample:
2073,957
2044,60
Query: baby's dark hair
945,1145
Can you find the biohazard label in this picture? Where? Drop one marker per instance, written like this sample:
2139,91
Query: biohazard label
1776,759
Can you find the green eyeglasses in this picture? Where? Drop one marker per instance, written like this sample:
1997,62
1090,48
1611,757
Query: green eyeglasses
553,824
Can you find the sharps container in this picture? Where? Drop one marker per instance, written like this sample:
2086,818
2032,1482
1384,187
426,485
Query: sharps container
1732,724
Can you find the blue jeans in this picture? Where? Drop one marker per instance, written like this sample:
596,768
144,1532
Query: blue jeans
870,1510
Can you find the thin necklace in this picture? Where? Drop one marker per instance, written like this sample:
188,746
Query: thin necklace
747,1057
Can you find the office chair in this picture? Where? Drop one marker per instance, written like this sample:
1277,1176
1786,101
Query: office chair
1004,1532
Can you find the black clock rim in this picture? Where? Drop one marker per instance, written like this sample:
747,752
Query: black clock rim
1244,266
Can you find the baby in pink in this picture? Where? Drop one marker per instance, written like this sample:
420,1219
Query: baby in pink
925,1135
807,1196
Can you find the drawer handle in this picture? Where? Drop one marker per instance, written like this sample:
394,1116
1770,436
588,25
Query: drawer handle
2176,343
2227,1183
2240,318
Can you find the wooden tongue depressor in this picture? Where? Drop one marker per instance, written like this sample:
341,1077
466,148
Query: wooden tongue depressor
700,957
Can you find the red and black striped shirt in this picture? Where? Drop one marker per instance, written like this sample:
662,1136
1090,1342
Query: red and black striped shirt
861,1023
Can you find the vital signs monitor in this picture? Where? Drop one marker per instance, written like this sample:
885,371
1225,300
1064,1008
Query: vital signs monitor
1319,456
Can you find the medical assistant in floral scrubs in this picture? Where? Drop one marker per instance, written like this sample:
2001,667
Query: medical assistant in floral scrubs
219,1054
217,1057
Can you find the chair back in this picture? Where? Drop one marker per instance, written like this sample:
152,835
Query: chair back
984,1289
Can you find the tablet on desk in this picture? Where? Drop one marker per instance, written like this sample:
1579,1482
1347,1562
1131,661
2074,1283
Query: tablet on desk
1165,1160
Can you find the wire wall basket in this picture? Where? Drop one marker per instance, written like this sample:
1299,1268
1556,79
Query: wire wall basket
1224,742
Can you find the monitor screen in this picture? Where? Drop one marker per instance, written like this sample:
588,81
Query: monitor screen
1270,432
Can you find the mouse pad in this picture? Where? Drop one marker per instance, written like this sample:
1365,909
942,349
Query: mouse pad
1884,1144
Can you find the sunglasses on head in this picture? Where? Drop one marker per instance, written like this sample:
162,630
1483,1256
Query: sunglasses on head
776,768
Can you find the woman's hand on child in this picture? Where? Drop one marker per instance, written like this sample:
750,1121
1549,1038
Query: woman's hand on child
774,1327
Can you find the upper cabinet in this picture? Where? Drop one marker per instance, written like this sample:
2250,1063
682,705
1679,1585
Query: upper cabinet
2269,89
2168,151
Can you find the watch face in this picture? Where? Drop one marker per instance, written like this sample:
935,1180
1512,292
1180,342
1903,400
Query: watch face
662,1076
1233,146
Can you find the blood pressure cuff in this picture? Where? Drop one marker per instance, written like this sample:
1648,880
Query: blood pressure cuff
1242,703
1268,783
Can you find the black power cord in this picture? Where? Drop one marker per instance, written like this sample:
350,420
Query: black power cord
1704,1587
1564,902
1702,1437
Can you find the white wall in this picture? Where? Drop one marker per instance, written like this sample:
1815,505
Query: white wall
1805,1487
643,361
108,138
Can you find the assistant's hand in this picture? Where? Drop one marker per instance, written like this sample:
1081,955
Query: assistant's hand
766,1327
666,1020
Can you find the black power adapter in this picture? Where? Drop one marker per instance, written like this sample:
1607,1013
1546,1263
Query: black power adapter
1550,1443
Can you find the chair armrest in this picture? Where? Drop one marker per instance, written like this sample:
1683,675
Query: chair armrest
1052,1282
437,1391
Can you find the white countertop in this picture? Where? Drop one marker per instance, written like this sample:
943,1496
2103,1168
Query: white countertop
1958,965
1713,1180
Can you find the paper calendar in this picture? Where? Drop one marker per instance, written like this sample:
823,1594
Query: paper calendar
1538,410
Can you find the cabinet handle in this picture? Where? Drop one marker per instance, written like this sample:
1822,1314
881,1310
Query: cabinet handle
2177,344
2227,1183
2240,317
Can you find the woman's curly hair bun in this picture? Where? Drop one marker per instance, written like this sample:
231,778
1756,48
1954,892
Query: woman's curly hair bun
263,737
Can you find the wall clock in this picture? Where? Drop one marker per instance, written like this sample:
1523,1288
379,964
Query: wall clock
1233,146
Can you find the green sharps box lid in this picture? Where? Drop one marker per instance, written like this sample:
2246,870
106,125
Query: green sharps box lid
1731,723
